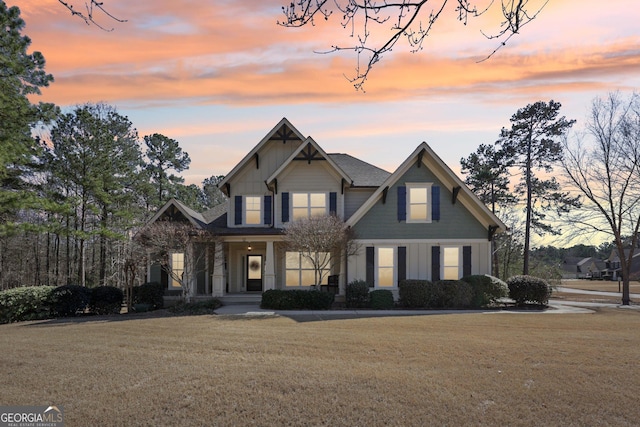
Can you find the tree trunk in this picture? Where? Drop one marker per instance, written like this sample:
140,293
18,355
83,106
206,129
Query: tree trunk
527,229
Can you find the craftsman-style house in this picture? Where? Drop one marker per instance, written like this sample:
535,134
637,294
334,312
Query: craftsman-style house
419,222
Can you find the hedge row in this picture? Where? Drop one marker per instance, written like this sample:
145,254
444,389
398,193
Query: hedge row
45,302
469,292
358,296
281,299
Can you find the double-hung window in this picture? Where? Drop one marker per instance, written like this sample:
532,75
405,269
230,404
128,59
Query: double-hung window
177,269
451,263
418,203
306,205
252,210
386,267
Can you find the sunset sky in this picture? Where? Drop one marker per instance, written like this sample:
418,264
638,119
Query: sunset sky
217,75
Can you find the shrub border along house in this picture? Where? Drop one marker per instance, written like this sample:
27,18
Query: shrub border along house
529,290
296,299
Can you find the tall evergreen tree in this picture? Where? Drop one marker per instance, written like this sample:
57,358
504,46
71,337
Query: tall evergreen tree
487,175
96,160
164,155
21,74
533,146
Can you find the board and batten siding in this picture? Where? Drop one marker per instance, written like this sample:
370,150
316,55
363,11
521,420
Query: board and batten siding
301,176
418,256
455,222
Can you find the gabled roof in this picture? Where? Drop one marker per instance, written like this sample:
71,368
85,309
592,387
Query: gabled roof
445,175
192,216
284,129
310,150
362,174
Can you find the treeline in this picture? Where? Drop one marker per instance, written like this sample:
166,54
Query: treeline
85,188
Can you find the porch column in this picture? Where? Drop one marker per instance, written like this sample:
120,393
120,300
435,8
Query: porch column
218,271
269,268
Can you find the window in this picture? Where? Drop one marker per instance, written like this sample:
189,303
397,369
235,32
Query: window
252,210
451,263
386,267
177,269
306,205
300,271
418,202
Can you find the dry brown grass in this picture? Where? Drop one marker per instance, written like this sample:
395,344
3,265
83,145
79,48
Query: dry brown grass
458,369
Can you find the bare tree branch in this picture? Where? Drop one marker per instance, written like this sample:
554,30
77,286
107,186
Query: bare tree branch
87,17
405,19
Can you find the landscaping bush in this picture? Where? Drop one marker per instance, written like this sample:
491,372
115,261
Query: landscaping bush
528,289
486,289
106,300
151,294
297,299
69,300
449,294
357,294
413,293
26,303
381,299
207,306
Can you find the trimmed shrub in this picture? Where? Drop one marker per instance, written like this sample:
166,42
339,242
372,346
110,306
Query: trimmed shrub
297,299
357,294
413,293
381,299
106,300
26,303
486,289
151,294
70,300
528,289
449,294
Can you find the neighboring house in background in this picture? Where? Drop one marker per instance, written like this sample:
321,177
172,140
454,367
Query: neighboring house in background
420,222
612,268
582,268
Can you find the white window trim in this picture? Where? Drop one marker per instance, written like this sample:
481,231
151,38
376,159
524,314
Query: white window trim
244,211
394,284
308,194
460,261
427,186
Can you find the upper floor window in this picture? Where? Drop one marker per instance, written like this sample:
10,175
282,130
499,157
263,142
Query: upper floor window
252,210
306,205
418,202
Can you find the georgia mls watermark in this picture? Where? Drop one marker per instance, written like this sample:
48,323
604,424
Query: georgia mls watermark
31,416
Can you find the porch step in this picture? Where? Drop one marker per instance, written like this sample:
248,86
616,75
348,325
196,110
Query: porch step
241,299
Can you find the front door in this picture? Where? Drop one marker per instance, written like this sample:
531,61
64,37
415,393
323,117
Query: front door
254,273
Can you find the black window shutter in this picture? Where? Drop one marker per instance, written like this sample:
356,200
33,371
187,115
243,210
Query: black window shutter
435,203
466,261
238,210
285,207
402,263
435,263
333,203
370,266
402,203
267,210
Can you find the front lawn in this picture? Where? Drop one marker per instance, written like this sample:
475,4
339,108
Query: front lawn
454,369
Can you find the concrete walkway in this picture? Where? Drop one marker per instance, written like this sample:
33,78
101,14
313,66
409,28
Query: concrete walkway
598,293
